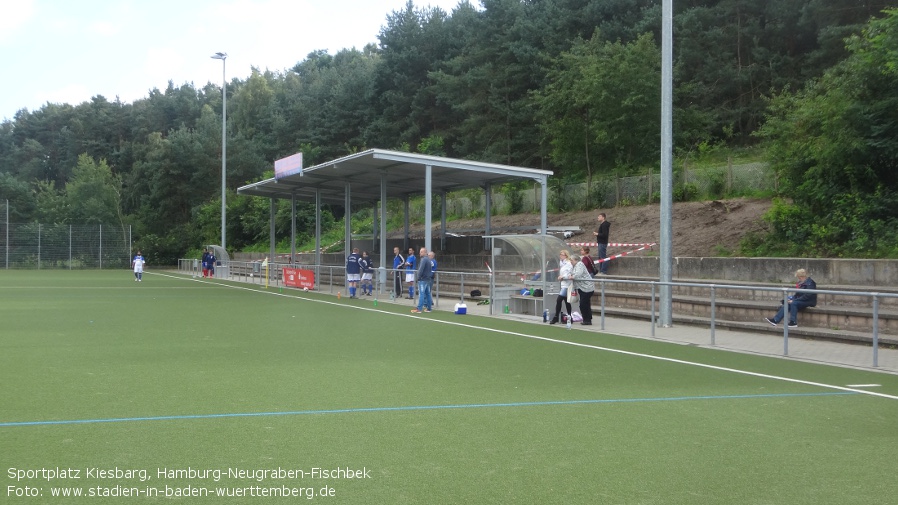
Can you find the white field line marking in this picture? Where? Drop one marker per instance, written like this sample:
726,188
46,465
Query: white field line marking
863,385
586,346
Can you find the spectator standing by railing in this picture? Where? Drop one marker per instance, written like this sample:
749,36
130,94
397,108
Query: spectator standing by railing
398,261
425,283
565,277
585,286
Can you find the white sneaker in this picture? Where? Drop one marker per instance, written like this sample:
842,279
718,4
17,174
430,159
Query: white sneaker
770,321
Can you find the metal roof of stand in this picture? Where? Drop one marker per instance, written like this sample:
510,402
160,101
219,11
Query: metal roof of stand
402,173
377,175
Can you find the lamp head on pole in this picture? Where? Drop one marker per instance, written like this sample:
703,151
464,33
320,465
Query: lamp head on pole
220,56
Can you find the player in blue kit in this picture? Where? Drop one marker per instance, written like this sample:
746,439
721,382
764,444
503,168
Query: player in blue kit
410,267
353,271
367,274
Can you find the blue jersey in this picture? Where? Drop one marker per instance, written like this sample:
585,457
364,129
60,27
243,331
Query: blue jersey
410,264
365,263
433,265
398,261
352,264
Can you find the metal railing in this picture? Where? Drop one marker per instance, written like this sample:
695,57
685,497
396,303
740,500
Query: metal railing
874,297
332,278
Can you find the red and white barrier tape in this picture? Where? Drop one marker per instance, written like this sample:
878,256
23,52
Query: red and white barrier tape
613,244
609,258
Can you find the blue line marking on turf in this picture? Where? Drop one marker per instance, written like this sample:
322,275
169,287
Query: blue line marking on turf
418,407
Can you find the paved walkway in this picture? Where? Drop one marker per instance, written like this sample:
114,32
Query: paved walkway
766,344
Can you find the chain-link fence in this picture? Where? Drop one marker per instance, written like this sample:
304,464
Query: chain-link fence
688,184
42,246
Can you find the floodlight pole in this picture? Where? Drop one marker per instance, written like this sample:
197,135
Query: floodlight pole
666,258
224,141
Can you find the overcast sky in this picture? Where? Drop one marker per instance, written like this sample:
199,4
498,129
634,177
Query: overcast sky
67,51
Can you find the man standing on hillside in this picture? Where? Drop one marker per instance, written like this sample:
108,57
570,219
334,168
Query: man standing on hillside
602,240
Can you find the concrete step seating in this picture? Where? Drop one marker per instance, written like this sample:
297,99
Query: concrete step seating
836,317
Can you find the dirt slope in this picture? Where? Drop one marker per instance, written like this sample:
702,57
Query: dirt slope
700,229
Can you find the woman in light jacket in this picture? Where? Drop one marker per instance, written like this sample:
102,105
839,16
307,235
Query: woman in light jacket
566,276
585,286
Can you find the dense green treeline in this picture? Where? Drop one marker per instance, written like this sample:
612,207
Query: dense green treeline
571,86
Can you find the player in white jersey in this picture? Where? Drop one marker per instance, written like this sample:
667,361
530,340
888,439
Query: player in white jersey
137,263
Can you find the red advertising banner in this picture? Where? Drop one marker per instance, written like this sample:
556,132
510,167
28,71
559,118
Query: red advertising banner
296,278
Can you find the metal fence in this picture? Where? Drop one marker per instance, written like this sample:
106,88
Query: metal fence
42,246
714,182
331,279
874,308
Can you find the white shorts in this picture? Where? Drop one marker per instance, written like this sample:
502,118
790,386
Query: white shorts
409,277
353,277
367,277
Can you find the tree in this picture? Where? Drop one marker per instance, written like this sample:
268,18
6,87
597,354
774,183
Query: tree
602,106
93,196
413,43
835,146
20,196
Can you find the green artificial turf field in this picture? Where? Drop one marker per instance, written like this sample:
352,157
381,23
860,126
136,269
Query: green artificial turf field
212,392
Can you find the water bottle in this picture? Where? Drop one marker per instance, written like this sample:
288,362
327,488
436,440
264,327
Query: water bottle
545,315
569,319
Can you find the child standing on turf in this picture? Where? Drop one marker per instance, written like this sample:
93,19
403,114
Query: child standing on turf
137,264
